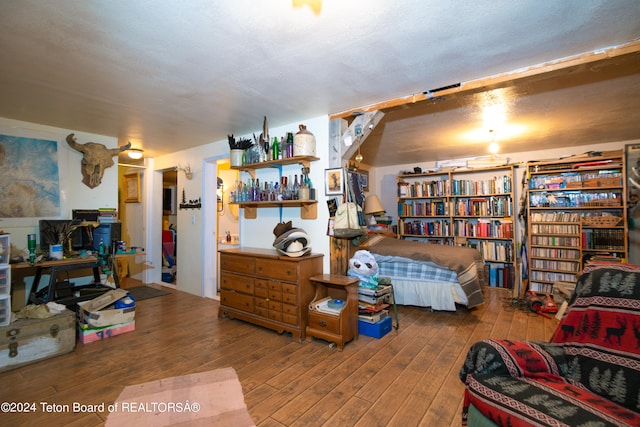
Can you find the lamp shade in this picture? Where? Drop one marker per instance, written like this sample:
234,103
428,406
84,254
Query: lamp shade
373,206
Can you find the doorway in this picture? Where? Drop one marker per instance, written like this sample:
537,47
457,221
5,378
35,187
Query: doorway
169,226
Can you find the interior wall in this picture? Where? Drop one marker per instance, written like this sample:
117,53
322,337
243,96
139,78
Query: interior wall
73,193
259,232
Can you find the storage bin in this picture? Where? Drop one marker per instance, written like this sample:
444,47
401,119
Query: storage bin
5,280
5,249
5,310
375,330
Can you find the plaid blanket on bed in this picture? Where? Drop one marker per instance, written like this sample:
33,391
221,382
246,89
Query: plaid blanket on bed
405,268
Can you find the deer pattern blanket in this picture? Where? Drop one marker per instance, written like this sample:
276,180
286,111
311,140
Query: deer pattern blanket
588,375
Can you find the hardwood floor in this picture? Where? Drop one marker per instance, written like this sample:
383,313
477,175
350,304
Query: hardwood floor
407,378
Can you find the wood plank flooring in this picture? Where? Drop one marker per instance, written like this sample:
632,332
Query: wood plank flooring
407,378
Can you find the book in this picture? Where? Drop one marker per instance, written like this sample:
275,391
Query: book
376,300
378,291
373,317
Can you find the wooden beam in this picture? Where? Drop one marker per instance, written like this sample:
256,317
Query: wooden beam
632,47
358,131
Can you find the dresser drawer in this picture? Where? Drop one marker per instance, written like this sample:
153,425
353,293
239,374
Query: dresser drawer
275,295
289,309
237,282
275,306
261,288
289,293
261,302
275,315
324,322
236,300
287,318
277,269
237,263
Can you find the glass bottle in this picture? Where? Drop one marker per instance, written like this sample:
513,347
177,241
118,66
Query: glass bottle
275,149
289,145
296,188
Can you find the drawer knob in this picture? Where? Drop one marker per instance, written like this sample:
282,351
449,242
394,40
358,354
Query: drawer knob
323,323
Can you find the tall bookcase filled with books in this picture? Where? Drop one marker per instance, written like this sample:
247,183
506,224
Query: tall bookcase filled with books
470,207
482,213
577,214
423,207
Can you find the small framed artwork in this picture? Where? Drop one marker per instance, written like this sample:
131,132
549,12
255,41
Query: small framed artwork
132,188
333,181
364,179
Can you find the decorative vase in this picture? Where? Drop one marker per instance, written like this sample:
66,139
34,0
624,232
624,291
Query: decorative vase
236,157
304,143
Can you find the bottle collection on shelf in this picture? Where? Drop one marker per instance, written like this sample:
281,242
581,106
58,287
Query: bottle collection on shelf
286,189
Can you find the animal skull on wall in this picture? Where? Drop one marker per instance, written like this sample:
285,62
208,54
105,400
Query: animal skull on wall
95,159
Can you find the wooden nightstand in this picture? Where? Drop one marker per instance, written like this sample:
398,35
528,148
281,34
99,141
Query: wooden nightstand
338,328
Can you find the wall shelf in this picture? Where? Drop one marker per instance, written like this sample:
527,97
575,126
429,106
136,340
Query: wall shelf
308,208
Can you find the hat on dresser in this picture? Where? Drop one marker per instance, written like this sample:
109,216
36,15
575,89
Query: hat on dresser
291,241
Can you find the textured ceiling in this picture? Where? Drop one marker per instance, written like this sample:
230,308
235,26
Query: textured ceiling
168,75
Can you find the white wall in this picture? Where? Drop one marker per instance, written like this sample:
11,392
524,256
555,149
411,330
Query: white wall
73,193
191,276
259,232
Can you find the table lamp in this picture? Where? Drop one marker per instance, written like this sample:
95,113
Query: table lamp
373,207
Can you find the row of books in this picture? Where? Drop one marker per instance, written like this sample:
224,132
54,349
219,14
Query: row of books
492,206
496,185
483,228
603,239
500,275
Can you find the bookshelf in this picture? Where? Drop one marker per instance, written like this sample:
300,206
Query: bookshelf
470,207
577,213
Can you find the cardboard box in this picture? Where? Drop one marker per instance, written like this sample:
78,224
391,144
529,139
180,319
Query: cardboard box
87,334
94,314
376,330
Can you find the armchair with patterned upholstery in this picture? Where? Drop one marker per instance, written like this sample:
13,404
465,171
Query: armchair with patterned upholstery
588,375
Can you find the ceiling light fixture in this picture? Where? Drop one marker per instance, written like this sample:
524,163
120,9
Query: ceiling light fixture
493,146
135,153
359,156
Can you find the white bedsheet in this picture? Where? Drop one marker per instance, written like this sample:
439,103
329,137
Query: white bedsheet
437,295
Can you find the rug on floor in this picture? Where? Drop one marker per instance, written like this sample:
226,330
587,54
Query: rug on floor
145,292
212,398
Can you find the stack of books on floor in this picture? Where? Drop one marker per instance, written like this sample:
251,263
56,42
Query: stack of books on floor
373,310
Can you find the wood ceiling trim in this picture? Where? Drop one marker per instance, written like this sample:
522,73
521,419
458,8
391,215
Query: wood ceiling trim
632,47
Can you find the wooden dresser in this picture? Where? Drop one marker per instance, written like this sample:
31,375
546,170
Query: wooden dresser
267,289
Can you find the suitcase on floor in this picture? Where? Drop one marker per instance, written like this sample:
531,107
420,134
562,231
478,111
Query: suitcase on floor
30,340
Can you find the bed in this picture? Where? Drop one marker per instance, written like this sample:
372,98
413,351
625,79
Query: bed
428,275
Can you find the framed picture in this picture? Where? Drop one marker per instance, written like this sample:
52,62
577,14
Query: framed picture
132,188
333,181
364,179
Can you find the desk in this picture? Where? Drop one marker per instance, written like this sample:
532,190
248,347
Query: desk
56,266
